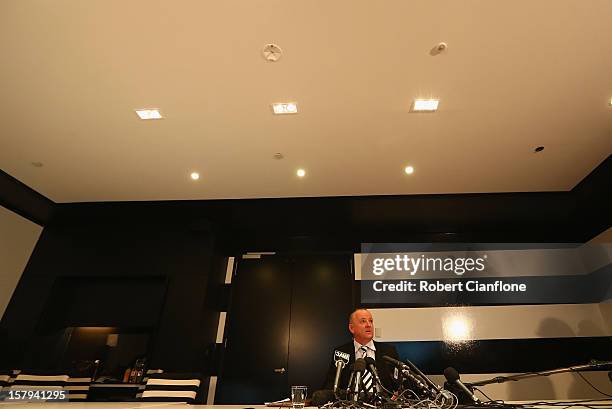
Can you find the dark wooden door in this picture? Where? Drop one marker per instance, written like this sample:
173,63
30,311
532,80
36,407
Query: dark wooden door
287,314
257,333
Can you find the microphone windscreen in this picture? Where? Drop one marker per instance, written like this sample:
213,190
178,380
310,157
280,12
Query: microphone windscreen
320,398
341,356
451,374
360,365
370,361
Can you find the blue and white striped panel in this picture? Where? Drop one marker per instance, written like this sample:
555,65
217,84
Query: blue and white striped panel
482,342
171,390
25,381
78,388
149,372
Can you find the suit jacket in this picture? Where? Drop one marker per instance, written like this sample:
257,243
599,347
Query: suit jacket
385,370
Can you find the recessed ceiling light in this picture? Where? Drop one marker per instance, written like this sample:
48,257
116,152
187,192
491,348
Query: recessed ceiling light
149,113
195,175
301,173
409,170
425,105
285,108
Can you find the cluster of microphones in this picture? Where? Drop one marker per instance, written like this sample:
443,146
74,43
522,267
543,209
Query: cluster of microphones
365,388
406,373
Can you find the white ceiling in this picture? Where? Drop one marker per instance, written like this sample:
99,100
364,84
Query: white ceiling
517,74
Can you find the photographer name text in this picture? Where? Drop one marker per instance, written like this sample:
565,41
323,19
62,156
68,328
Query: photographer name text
438,286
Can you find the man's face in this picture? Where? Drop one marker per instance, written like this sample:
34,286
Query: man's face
362,326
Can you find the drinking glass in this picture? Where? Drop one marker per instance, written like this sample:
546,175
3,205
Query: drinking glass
298,396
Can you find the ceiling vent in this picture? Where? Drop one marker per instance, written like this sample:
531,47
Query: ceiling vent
272,52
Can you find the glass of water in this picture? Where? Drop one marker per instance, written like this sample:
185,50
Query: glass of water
298,396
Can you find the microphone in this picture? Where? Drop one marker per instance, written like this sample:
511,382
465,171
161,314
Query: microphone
416,380
341,360
406,372
396,363
431,387
371,365
452,376
358,368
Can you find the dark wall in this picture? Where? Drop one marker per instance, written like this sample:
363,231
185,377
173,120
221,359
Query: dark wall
84,301
593,196
185,243
125,252
182,241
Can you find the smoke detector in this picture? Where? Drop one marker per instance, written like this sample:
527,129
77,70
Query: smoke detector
272,52
438,49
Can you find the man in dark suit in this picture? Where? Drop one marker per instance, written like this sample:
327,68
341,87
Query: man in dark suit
361,326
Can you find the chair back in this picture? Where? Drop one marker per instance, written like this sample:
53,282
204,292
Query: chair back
145,378
78,388
26,380
172,387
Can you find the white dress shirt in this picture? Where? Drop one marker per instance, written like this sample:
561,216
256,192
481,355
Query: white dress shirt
371,349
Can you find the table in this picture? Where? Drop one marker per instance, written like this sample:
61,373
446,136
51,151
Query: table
174,405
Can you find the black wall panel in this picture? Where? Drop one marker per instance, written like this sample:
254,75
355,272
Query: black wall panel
85,302
166,268
184,243
321,301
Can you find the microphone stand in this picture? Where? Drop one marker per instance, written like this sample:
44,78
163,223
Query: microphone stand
350,383
357,386
578,368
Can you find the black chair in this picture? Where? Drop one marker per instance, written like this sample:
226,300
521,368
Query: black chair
5,378
13,375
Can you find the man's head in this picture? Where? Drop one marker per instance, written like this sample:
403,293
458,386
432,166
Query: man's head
361,325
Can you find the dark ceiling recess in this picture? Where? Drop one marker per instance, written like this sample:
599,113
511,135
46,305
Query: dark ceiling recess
24,200
344,222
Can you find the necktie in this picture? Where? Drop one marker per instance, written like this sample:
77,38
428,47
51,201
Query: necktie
367,376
